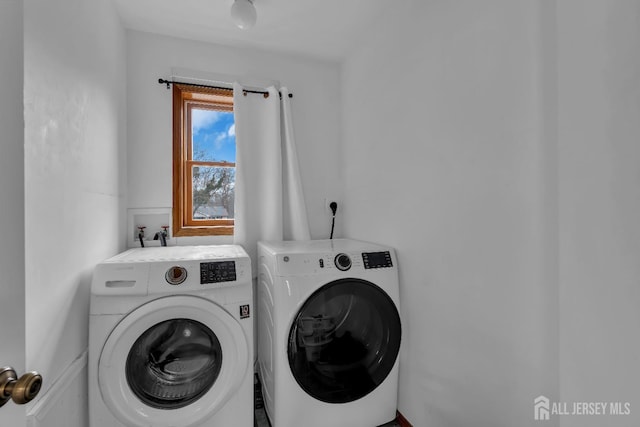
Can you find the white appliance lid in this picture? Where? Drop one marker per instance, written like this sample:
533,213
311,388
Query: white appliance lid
322,246
179,253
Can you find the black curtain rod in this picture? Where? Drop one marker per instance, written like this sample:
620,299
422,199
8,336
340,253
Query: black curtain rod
245,91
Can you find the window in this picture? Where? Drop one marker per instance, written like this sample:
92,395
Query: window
204,156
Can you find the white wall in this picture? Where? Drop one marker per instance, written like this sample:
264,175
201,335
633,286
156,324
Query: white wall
74,172
599,184
445,159
512,133
12,198
316,114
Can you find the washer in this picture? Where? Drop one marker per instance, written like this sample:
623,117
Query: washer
329,333
171,338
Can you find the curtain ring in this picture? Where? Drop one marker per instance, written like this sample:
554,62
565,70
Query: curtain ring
266,94
244,92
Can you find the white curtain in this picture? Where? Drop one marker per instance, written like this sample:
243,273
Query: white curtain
269,203
296,226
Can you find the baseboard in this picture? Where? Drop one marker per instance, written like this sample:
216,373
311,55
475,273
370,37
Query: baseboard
402,420
65,402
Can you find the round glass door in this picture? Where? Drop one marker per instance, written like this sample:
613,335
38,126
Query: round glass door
344,341
173,363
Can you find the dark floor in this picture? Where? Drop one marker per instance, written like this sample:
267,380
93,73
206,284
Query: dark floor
261,420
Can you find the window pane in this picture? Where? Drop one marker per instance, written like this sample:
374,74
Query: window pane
213,135
213,192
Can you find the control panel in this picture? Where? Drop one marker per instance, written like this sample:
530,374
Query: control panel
377,259
217,271
341,262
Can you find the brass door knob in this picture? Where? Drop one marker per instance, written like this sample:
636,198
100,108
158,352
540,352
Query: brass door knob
21,390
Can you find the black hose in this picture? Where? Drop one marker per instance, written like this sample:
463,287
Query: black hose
334,209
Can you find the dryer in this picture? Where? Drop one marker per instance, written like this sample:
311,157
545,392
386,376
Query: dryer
329,332
171,338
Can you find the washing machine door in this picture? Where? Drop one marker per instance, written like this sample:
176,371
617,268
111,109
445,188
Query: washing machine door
172,362
344,341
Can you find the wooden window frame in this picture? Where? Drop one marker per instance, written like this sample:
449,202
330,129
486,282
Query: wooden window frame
185,98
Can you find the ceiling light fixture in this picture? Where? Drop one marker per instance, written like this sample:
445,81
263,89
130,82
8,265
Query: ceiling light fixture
243,13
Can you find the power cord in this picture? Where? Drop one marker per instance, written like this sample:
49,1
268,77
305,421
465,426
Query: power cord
334,208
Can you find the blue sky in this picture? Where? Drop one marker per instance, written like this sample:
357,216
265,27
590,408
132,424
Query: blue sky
214,134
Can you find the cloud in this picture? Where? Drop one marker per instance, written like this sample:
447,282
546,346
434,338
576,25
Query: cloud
201,119
220,139
232,130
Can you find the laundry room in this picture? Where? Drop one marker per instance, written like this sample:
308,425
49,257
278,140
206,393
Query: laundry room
488,150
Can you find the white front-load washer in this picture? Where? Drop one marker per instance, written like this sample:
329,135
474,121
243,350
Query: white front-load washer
329,333
171,338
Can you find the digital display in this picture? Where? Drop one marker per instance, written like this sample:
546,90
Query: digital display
377,259
219,271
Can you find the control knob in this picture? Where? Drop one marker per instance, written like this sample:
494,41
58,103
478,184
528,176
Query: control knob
343,262
176,275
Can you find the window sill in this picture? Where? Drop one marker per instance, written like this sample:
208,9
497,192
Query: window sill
188,231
